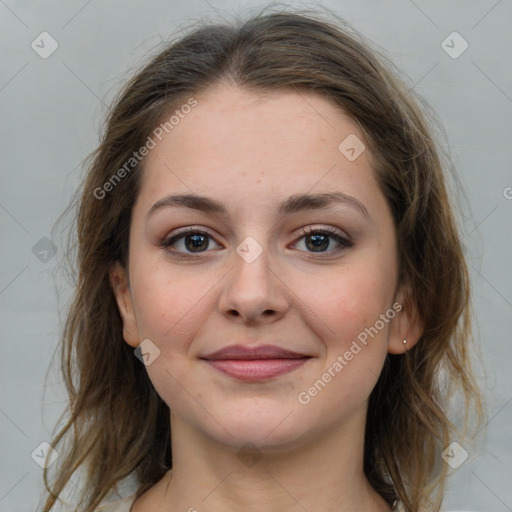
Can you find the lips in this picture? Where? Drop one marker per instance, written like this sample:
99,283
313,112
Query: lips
255,364
241,352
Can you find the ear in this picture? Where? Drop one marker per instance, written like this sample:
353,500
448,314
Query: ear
407,323
121,288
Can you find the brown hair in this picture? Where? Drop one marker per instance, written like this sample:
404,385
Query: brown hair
118,425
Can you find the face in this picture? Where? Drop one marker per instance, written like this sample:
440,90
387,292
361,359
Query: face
263,268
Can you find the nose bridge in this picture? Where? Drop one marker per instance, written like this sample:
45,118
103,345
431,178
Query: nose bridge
252,290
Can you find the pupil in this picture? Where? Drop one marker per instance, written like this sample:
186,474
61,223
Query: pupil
196,239
317,241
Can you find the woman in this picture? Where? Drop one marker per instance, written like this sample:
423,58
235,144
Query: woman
272,303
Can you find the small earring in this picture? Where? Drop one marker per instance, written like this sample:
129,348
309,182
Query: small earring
405,341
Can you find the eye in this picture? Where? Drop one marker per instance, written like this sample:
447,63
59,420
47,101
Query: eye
192,241
318,240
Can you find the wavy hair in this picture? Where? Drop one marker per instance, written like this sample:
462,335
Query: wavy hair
117,425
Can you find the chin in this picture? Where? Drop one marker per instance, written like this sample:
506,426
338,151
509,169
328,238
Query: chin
270,429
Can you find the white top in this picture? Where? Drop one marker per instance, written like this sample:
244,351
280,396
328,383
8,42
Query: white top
123,505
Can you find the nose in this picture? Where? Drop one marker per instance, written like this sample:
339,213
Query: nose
253,293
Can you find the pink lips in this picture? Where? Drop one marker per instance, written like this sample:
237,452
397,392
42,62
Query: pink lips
259,363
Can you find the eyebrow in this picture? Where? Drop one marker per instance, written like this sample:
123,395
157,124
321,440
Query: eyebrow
292,204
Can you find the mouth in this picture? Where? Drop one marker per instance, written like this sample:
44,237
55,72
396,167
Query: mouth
257,363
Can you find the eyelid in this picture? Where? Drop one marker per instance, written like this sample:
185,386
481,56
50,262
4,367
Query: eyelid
313,228
189,229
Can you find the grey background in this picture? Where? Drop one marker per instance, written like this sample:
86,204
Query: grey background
51,110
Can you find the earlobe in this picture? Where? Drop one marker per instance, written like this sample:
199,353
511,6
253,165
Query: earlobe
122,293
407,326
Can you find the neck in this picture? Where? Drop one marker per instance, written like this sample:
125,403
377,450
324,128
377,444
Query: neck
322,474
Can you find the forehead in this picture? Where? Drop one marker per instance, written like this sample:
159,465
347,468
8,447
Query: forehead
242,145
272,122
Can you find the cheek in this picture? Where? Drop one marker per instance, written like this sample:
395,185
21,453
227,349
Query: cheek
171,307
350,299
355,351
170,312
166,299
350,305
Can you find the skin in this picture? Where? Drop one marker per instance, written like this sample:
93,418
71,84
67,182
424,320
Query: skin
251,151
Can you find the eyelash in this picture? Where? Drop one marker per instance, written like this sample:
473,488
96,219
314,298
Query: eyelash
331,232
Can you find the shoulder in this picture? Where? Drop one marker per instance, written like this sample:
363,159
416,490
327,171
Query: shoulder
123,505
